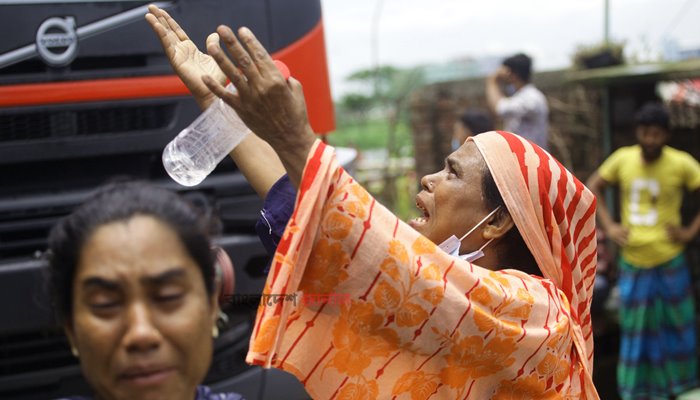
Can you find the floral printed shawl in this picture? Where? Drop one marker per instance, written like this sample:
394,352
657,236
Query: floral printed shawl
416,323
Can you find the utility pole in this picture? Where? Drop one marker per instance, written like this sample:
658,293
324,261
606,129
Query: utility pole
375,44
607,118
606,22
607,129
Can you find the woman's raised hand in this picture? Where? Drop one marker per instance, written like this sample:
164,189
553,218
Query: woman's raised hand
272,107
189,63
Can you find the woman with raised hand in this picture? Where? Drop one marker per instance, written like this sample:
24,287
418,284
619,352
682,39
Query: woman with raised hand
503,313
420,321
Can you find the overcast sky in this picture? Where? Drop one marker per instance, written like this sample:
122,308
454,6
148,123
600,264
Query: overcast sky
413,32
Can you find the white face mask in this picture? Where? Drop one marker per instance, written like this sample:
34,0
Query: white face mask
451,245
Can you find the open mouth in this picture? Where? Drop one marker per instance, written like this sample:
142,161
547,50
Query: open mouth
420,221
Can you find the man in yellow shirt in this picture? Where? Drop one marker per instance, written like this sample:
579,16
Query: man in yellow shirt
657,317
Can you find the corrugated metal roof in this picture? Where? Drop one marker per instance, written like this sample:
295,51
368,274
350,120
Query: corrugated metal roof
637,72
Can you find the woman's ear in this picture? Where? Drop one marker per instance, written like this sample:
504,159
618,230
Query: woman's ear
498,225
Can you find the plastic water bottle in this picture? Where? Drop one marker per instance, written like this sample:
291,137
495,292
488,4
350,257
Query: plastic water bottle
198,149
194,153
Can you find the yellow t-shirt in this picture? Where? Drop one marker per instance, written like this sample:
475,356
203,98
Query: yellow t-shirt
651,196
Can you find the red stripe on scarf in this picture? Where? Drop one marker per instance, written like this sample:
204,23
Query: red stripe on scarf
517,147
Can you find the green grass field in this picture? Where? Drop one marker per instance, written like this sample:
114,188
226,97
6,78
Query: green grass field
371,135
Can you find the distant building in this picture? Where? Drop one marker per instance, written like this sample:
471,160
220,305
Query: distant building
460,69
673,52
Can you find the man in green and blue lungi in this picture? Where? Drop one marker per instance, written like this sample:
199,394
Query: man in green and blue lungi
658,357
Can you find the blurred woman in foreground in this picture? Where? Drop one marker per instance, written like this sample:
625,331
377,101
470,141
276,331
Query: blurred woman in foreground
133,283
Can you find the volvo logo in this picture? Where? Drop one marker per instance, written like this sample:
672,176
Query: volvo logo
57,42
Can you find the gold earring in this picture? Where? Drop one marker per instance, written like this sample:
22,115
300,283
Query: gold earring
74,351
215,331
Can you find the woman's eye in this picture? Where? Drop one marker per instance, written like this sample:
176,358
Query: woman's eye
103,301
104,305
451,173
104,308
165,298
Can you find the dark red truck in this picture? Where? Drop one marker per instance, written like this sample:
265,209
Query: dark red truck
87,95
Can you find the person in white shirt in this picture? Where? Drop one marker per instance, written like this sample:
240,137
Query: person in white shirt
520,105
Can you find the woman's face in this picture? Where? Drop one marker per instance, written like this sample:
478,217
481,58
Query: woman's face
452,200
142,319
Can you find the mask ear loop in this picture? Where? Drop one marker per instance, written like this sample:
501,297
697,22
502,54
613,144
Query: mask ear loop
473,256
479,224
486,244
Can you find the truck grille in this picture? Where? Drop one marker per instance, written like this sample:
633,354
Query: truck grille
85,122
34,352
26,233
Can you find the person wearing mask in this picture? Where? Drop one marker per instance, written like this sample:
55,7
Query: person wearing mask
520,105
475,318
500,309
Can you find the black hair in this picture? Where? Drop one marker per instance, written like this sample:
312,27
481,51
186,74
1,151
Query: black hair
652,113
478,121
521,65
119,202
518,255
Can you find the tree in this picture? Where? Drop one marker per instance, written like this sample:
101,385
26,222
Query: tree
385,88
357,105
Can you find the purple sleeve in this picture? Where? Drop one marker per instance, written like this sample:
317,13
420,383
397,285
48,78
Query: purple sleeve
202,393
277,209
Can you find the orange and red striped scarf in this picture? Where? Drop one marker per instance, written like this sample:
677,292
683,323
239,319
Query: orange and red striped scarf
362,306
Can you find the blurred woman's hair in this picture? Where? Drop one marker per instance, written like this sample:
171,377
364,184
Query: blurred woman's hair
478,121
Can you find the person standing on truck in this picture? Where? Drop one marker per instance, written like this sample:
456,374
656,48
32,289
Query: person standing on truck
657,318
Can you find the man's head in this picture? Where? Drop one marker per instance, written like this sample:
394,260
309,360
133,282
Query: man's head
520,66
652,130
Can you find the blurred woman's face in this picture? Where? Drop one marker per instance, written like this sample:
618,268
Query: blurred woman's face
142,319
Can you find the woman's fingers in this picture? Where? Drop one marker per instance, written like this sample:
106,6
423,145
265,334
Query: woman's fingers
230,70
174,26
257,52
165,37
220,91
157,12
238,53
161,27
